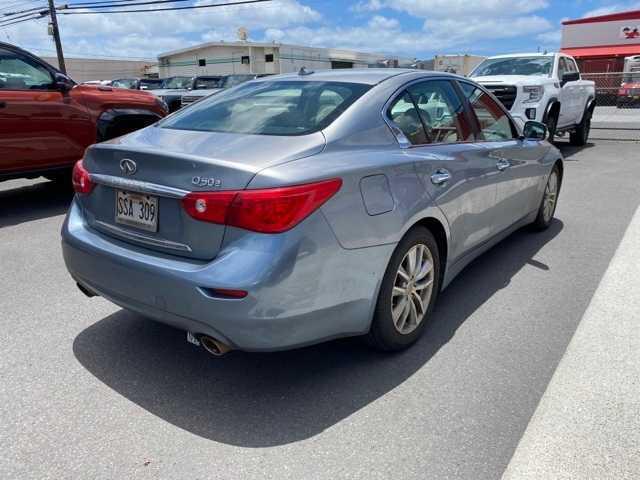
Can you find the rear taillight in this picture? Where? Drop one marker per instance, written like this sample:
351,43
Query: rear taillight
81,180
268,210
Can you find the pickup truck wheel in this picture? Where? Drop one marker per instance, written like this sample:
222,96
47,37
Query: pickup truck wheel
580,136
552,125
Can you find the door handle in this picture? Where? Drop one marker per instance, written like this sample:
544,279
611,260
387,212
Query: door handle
503,164
440,176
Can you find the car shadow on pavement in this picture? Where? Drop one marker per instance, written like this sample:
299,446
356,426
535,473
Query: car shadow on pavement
568,150
269,399
34,202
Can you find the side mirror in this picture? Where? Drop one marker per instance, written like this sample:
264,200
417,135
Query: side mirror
63,83
570,77
534,131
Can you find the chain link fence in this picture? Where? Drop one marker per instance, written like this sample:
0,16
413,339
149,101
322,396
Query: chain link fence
617,114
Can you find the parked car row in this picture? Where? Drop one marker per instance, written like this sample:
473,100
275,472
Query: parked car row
179,91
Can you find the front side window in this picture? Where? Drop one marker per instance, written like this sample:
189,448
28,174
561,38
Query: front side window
562,68
17,73
494,123
514,66
124,83
270,108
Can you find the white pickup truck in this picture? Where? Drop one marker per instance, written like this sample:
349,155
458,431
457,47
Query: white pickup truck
542,86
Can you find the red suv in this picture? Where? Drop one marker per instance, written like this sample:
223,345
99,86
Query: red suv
47,121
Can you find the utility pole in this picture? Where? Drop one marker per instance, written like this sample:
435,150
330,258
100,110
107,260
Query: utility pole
56,37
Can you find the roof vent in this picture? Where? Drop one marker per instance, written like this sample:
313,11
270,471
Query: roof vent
304,71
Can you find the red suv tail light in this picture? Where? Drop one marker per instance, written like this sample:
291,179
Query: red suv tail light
82,183
268,210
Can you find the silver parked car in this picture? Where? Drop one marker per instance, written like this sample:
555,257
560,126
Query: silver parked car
294,209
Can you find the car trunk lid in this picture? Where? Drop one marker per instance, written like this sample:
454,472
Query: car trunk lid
169,163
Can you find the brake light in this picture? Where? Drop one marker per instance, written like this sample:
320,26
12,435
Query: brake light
81,180
268,210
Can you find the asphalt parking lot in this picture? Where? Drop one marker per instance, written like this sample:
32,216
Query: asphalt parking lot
91,391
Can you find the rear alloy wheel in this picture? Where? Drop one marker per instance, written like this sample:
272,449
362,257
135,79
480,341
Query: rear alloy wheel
549,200
408,292
580,136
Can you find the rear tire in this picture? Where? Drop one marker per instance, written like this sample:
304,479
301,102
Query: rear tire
580,136
549,200
408,292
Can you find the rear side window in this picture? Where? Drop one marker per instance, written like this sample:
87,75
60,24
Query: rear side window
431,112
495,124
18,73
270,108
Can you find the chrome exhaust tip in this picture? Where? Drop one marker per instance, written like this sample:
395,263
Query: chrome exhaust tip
213,346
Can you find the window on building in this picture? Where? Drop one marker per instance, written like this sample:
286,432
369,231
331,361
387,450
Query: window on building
245,60
202,62
268,57
339,64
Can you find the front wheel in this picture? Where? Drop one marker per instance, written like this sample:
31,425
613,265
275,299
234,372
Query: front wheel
552,126
580,136
408,292
549,200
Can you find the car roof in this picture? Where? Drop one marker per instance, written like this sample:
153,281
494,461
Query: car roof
515,55
369,76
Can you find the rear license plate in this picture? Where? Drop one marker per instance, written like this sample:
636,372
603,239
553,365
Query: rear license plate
137,210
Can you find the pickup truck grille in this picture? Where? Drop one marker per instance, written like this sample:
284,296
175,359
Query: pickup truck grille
505,93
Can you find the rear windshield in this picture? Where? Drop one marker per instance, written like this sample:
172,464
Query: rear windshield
177,82
270,108
514,66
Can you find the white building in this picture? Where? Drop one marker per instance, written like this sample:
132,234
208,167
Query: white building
460,64
219,58
83,69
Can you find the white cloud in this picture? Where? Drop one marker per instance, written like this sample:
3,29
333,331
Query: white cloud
607,9
551,38
142,34
385,36
480,9
379,22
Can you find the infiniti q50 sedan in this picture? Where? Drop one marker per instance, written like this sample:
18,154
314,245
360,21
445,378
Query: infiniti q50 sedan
303,207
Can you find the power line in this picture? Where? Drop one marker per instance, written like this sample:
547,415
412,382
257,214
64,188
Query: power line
23,11
23,20
101,1
150,2
191,7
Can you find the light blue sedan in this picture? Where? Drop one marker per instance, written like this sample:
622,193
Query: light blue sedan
299,208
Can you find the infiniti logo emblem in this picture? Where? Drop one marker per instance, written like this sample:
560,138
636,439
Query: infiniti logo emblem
128,166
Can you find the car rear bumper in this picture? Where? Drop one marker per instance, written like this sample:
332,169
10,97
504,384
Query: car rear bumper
303,287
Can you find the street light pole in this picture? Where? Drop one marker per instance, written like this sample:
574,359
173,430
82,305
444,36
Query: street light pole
56,37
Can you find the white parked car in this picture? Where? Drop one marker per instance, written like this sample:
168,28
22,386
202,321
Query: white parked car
545,87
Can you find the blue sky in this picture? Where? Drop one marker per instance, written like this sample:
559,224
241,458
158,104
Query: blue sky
409,28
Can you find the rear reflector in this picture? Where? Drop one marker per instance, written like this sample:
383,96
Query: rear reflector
81,180
268,210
